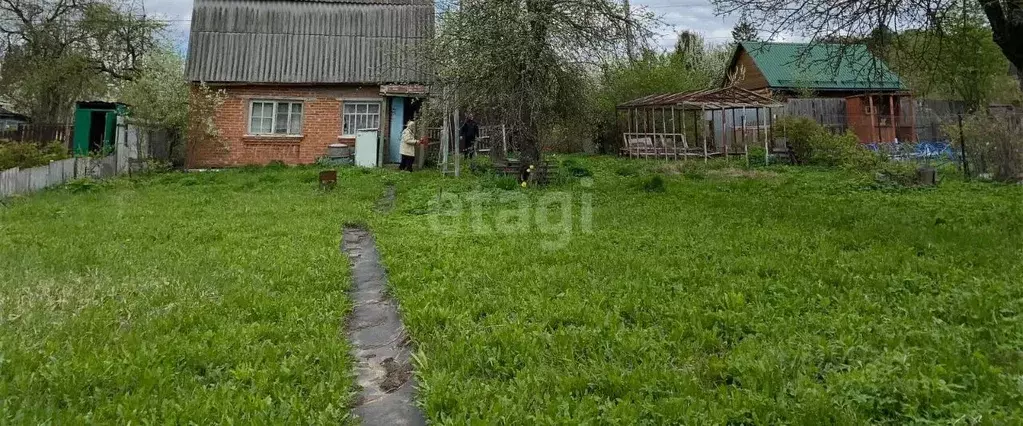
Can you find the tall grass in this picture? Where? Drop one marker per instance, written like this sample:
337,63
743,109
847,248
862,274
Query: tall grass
799,297
789,296
200,298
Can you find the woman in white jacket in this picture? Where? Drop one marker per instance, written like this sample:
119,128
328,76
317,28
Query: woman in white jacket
408,146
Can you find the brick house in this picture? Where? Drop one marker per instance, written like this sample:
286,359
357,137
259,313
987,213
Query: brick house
301,75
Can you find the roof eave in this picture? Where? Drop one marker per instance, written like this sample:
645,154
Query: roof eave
842,89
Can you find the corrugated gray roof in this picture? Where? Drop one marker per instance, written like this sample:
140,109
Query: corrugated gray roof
333,41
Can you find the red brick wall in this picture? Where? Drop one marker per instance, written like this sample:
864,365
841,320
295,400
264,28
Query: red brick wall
321,125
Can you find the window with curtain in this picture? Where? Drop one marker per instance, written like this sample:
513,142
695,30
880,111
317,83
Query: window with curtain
359,116
275,118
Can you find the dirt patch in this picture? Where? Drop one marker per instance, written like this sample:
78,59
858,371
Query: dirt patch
397,374
677,168
732,173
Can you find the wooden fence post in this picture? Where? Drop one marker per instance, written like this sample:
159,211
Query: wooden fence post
703,114
962,145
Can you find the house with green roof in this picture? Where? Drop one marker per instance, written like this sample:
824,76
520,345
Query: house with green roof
873,95
826,70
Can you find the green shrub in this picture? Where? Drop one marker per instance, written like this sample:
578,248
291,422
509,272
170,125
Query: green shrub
822,149
825,149
481,165
800,133
26,155
896,174
756,156
506,183
811,144
654,183
864,159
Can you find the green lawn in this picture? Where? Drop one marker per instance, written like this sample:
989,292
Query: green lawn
202,298
787,296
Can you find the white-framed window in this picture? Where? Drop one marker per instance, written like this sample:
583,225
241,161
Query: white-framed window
275,118
359,115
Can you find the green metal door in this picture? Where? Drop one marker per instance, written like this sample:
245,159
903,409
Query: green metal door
110,134
81,132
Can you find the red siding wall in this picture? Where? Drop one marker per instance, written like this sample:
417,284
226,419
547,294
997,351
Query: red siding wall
881,124
321,125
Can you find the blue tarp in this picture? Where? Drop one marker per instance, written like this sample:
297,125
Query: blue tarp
907,151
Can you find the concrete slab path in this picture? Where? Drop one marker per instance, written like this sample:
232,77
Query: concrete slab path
379,342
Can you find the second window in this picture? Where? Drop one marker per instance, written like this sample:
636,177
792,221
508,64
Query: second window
360,116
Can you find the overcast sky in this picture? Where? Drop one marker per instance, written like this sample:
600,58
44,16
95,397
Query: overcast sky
695,15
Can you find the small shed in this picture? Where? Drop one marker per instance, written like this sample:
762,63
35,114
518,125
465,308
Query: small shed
881,117
706,123
95,126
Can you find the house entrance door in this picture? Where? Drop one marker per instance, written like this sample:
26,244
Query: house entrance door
397,126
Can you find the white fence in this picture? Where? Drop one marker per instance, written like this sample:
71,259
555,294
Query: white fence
22,181
130,150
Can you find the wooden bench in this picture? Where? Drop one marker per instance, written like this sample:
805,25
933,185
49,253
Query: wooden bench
656,146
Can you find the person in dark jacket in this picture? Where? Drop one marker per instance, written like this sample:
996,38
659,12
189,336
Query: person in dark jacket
468,134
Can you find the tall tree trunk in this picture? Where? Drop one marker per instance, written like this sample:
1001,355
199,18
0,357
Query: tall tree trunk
1006,18
532,77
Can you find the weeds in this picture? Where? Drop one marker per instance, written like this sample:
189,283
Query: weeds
994,145
81,185
507,183
897,175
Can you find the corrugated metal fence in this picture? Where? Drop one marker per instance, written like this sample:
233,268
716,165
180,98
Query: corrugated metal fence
22,181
